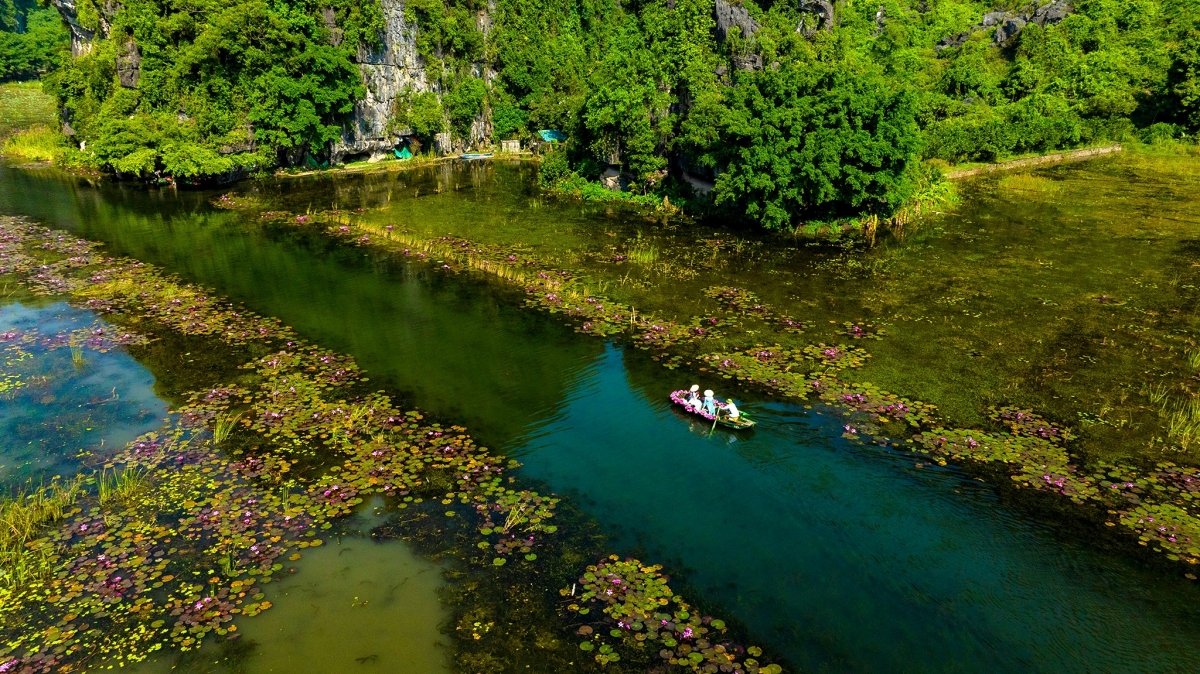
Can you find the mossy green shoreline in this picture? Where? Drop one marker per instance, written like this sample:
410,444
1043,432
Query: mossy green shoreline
179,534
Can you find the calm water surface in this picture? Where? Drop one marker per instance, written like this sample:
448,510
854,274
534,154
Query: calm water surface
64,412
845,557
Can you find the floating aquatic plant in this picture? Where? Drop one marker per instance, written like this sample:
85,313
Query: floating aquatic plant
639,613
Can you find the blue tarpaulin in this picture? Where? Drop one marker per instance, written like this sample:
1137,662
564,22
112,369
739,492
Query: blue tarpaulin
403,154
552,134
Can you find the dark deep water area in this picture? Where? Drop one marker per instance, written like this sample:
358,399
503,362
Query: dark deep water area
842,555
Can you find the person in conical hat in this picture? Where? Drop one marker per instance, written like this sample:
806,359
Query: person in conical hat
710,404
692,399
731,409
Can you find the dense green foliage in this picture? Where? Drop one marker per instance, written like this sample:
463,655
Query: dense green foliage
828,123
789,122
221,86
33,40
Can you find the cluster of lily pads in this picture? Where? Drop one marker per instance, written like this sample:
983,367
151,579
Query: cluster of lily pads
1037,461
234,201
637,611
1161,506
180,534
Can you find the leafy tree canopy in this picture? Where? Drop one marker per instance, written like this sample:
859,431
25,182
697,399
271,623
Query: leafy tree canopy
792,115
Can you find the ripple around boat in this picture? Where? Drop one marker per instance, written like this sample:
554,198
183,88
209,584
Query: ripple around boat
891,511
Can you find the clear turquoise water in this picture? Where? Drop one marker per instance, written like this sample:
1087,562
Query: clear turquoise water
845,557
67,415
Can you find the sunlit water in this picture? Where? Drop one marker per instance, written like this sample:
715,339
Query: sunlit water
353,604
845,557
848,555
65,411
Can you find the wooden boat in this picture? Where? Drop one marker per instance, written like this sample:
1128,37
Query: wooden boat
741,423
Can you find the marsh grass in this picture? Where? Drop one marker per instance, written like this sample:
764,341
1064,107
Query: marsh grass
122,488
23,517
224,425
643,253
23,104
77,356
1193,360
1028,182
37,143
1183,422
1157,394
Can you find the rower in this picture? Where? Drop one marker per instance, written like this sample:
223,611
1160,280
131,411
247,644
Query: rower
730,409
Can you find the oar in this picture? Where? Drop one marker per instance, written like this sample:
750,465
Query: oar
716,416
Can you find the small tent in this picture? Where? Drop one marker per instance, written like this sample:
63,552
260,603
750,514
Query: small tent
408,148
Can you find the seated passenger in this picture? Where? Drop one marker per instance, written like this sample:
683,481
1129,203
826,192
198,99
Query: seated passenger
692,400
710,404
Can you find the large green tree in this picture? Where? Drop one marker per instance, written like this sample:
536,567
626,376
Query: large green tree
817,140
33,40
220,85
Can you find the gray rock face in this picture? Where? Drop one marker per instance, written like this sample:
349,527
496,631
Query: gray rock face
822,11
386,72
1008,29
81,38
389,71
129,64
1053,13
992,18
951,41
1009,24
749,62
329,18
728,16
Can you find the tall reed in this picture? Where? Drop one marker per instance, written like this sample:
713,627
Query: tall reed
23,517
121,488
224,425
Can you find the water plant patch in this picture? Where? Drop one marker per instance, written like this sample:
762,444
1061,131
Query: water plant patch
819,369
178,536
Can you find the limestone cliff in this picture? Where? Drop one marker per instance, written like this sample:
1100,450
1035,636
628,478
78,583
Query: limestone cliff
387,72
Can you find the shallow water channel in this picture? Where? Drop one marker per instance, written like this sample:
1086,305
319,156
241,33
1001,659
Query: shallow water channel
842,556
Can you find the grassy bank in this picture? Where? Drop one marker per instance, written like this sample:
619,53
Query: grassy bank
22,105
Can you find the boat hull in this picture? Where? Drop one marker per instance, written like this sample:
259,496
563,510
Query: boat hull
678,397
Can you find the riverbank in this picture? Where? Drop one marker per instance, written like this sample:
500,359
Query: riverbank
1033,161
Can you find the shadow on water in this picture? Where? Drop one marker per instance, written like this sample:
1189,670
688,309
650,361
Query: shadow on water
450,343
845,557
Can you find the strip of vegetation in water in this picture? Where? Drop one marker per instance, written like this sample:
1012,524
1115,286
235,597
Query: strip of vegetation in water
181,533
1157,504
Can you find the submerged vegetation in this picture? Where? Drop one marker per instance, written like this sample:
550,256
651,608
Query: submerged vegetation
181,537
1155,500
